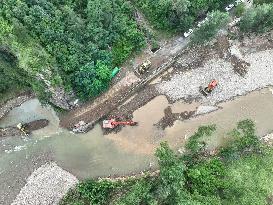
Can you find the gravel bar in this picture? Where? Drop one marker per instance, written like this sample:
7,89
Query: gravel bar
45,186
187,84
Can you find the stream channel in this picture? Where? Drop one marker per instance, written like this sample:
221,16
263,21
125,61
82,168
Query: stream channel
129,151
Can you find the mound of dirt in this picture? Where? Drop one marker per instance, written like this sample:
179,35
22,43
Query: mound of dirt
31,126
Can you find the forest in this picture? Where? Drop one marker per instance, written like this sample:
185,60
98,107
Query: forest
236,173
75,44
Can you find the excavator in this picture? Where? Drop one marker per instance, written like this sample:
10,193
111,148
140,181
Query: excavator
112,123
23,129
211,86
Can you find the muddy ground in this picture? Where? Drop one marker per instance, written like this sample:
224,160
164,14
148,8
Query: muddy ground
29,127
130,83
191,58
227,49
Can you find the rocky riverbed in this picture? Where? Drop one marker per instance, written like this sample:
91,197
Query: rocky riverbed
46,185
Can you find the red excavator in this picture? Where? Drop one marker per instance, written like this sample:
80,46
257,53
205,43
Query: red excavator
112,123
211,86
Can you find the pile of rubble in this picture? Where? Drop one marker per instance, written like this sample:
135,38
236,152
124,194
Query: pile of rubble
45,186
187,84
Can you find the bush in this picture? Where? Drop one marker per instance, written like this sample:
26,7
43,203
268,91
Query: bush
258,19
245,141
208,30
139,193
92,79
96,192
194,145
207,177
240,9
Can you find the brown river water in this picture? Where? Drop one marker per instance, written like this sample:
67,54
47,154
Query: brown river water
132,149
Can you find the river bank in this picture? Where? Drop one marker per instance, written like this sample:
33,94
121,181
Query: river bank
8,105
124,153
169,109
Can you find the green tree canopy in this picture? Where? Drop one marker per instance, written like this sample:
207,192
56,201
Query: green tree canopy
257,19
208,30
92,79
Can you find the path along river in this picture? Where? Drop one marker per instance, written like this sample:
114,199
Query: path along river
131,150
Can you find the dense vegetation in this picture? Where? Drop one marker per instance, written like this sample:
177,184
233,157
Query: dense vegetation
262,1
56,43
207,31
239,173
178,14
71,35
258,19
75,44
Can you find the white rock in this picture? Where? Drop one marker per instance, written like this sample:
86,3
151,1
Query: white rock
45,186
202,109
259,75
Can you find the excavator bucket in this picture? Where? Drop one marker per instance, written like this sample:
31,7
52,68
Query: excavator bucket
205,91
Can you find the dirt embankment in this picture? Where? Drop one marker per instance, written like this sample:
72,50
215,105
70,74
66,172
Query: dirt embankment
15,102
29,127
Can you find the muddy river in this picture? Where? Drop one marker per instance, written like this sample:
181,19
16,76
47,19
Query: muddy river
131,150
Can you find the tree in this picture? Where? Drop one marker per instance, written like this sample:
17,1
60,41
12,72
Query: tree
208,30
172,180
167,14
60,37
258,19
92,79
194,145
240,9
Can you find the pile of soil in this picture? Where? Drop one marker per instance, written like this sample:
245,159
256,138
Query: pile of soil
37,124
31,126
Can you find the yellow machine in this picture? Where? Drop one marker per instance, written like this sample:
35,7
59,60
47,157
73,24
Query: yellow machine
144,66
22,128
